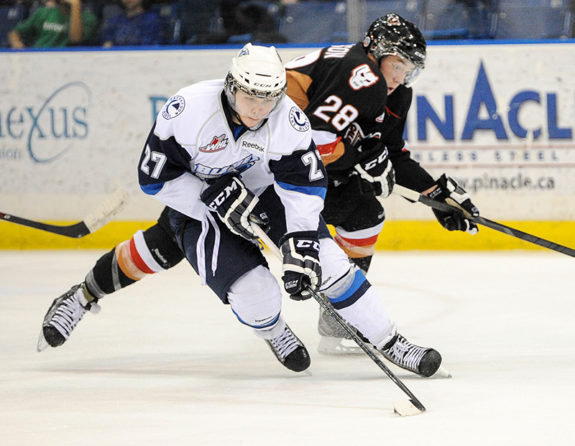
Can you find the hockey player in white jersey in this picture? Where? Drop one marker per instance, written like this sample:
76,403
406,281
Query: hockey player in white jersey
224,155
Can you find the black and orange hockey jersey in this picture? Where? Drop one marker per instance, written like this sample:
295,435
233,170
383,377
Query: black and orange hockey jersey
344,94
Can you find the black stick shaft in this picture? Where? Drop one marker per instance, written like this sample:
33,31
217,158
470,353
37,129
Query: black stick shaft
440,206
368,351
356,338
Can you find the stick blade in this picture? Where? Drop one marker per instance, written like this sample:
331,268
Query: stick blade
408,408
106,210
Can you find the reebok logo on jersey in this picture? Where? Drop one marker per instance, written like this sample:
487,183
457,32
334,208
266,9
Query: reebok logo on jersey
174,107
218,143
298,120
252,146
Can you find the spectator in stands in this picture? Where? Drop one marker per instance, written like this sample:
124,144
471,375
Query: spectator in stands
251,20
135,26
196,18
240,21
58,23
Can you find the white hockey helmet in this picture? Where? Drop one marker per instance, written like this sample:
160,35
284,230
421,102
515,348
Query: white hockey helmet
257,71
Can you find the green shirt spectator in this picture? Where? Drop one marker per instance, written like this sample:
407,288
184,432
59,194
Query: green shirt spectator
58,24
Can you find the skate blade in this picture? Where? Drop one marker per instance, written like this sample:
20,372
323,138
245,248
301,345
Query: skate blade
42,344
442,372
337,346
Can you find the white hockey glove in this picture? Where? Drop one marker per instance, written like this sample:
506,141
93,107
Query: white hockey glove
235,205
301,267
378,173
450,192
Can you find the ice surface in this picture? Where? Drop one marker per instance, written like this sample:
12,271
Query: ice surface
165,363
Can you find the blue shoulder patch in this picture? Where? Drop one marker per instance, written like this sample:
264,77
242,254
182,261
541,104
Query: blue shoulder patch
152,189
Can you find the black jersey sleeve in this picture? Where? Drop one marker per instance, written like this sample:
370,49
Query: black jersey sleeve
408,172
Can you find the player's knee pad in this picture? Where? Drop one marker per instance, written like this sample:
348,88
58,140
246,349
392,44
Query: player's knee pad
147,253
344,283
339,275
255,299
161,243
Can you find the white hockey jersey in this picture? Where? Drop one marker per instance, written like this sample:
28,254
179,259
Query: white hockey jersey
194,141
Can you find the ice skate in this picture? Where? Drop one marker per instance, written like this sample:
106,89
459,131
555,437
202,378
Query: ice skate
290,351
421,360
63,316
334,340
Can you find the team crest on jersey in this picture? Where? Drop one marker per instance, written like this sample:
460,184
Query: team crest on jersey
298,120
208,172
354,135
174,107
362,77
216,144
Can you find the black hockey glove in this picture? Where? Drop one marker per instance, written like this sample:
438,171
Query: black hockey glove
301,267
452,193
236,206
378,174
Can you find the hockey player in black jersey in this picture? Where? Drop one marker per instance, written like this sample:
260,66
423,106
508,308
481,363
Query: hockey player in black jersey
357,98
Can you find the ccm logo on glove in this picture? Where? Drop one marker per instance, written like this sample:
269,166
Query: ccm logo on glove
307,244
237,207
222,196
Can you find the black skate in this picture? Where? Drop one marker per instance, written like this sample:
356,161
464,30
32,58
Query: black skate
421,360
290,351
63,316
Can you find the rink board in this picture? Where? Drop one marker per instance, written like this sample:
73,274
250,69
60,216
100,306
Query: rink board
498,117
396,236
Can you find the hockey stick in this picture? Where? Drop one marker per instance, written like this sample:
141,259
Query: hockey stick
440,206
92,222
403,408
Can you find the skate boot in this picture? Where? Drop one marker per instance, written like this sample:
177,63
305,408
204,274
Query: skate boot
63,316
334,340
290,351
421,360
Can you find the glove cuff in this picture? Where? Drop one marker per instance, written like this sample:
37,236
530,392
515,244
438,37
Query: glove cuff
299,234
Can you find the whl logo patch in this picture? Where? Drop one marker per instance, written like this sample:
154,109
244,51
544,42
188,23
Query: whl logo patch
217,143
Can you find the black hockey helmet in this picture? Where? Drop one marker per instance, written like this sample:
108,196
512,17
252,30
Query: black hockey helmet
392,34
